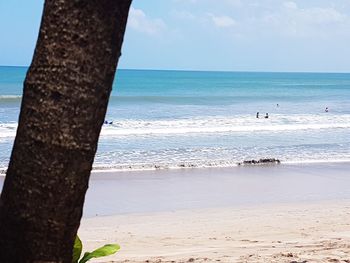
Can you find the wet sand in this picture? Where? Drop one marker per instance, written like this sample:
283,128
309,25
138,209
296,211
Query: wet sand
171,190
281,213
265,214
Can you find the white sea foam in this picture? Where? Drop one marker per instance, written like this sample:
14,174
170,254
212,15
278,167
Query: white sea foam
241,123
203,165
222,164
343,160
10,97
7,130
253,128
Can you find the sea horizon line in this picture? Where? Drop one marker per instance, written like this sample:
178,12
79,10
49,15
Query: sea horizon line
211,71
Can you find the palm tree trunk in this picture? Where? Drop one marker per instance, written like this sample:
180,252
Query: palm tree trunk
65,97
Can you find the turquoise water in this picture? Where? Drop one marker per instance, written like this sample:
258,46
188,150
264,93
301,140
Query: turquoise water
171,119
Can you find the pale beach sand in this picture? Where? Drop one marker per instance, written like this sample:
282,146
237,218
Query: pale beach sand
286,213
312,232
281,213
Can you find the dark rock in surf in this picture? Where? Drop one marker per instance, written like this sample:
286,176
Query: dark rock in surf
261,161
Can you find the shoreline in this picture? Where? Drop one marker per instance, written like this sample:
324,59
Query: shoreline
185,189
100,170
245,214
233,165
127,192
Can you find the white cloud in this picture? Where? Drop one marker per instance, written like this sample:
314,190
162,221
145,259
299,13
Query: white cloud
183,15
223,21
290,5
321,15
292,20
139,21
235,3
186,1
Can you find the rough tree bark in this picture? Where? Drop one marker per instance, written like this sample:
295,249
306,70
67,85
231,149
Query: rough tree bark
65,97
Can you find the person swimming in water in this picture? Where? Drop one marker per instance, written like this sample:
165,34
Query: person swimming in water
326,110
257,115
266,116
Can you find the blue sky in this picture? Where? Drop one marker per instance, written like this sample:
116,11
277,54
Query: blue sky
235,35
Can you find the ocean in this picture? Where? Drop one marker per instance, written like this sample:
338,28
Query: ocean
177,119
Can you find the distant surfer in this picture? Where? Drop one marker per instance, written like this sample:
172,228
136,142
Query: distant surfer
277,105
326,110
257,115
266,116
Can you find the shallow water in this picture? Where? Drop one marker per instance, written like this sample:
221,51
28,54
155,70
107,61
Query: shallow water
169,119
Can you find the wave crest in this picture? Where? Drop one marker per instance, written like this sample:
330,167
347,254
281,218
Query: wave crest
242,123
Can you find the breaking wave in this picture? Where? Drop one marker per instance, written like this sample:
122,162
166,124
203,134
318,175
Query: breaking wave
243,123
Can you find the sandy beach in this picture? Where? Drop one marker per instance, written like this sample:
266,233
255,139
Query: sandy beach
286,213
312,232
182,131
280,213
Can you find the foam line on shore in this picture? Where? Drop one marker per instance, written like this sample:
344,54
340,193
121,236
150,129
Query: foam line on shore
192,166
140,168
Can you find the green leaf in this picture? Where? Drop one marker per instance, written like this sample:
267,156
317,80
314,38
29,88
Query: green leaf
78,247
104,251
